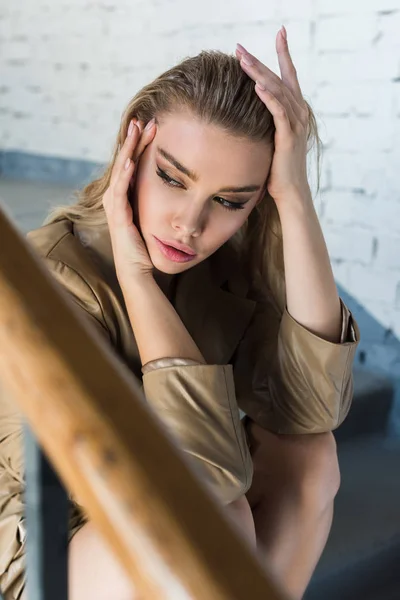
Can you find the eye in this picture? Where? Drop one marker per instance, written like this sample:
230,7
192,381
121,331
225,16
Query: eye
166,179
229,205
173,183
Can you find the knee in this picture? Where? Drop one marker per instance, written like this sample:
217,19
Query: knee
302,467
318,477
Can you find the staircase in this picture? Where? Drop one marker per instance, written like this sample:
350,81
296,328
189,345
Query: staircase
362,558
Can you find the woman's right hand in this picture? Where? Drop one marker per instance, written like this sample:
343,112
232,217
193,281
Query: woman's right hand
130,253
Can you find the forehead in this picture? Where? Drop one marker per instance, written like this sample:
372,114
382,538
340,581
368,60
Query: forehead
211,152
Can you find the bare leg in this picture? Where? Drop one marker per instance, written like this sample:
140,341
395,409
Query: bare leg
296,478
240,513
94,573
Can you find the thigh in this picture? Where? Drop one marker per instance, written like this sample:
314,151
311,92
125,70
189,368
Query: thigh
93,571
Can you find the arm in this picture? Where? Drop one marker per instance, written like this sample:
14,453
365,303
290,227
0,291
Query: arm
195,402
312,298
159,332
311,294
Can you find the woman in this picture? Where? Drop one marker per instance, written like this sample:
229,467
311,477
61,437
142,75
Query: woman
198,255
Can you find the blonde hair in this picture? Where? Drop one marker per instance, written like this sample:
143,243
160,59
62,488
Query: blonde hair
214,87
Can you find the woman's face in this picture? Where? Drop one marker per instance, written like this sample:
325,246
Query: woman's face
188,192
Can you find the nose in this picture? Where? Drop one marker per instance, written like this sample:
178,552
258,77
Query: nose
190,221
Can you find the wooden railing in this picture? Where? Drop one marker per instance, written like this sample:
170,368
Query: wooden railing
90,418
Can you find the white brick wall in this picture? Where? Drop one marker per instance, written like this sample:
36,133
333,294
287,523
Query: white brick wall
68,69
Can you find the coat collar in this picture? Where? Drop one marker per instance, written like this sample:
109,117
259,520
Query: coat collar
210,298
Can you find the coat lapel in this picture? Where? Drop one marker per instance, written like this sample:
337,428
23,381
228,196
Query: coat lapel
210,298
215,317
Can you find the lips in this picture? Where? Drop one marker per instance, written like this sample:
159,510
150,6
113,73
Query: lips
176,251
179,246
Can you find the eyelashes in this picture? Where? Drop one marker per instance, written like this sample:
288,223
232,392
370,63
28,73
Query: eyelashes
175,184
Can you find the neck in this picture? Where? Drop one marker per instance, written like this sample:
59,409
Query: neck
163,280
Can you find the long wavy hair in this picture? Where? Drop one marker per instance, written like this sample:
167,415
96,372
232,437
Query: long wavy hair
215,88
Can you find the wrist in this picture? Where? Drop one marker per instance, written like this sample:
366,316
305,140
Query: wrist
136,281
294,200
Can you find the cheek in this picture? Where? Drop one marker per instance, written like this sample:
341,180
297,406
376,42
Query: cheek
224,224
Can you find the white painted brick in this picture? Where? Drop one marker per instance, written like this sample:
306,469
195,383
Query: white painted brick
377,215
362,99
372,285
350,244
344,33
388,253
348,169
360,7
351,133
370,64
389,28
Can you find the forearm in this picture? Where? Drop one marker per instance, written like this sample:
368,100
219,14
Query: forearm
158,329
311,293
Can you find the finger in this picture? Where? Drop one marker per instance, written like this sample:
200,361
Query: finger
259,72
277,109
145,139
286,66
126,151
251,63
121,211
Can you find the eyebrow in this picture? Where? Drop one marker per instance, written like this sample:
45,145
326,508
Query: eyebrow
194,177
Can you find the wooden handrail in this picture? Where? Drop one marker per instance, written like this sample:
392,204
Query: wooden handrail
91,419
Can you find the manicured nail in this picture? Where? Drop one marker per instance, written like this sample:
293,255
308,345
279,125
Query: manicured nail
241,48
150,124
128,162
284,32
247,60
260,85
130,128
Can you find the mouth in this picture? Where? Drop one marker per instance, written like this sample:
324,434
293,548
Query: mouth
174,253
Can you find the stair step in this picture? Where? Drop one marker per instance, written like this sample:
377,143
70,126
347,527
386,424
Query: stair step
361,560
371,409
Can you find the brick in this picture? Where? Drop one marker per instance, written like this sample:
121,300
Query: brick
388,252
389,27
360,99
365,171
350,244
370,64
344,32
378,215
351,133
369,285
360,7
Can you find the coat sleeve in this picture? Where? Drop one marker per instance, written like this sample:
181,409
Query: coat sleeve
195,403
290,380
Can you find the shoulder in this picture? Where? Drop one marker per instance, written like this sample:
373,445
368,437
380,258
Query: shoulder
56,243
73,267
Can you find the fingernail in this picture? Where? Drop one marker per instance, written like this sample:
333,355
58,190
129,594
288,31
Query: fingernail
241,48
127,163
260,85
130,128
247,60
150,124
284,32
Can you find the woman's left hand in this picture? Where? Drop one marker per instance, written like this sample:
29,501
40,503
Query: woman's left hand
284,100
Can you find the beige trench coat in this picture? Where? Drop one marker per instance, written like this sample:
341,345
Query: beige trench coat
280,374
